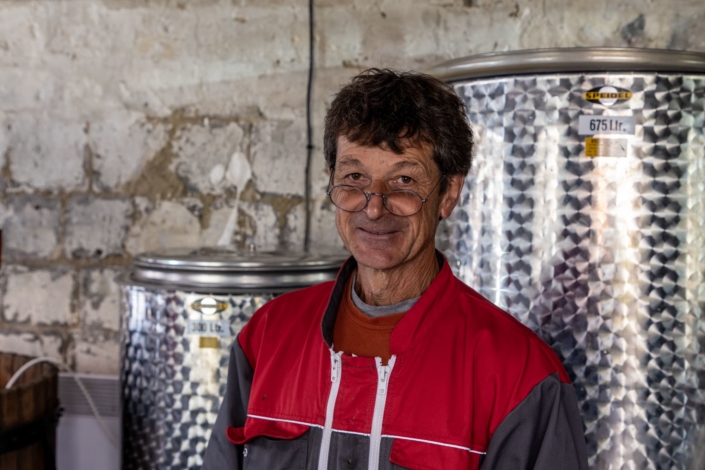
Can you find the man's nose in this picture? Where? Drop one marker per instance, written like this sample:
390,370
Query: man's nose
375,207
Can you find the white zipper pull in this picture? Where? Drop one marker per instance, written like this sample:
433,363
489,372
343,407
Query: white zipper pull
383,373
335,367
335,372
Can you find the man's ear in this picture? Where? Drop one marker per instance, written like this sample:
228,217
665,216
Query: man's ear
450,197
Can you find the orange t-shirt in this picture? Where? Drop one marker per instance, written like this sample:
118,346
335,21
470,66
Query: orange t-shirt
359,334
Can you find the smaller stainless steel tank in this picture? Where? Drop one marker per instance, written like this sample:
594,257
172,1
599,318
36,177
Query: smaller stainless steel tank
182,309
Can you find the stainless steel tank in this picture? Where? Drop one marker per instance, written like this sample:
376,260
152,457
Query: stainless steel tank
584,217
182,310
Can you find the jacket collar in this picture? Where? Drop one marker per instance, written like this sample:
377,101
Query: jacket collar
416,322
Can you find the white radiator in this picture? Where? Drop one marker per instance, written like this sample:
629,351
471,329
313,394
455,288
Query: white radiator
80,441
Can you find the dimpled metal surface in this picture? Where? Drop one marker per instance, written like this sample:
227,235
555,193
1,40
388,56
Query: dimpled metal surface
603,257
171,387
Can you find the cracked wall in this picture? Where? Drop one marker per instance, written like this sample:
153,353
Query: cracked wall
135,125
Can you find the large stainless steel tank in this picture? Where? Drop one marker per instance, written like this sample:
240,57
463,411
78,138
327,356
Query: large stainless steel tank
584,217
182,310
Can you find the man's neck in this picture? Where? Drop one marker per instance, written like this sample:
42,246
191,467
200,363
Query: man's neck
407,281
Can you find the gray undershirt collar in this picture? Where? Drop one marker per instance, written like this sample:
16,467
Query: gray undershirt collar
375,311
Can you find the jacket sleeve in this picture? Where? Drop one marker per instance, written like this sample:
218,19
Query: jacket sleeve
543,432
221,453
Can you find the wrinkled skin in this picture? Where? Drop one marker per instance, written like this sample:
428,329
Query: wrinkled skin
395,255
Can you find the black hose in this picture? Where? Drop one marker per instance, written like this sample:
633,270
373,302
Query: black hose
309,132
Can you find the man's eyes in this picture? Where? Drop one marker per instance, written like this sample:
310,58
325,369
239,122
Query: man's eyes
352,178
398,180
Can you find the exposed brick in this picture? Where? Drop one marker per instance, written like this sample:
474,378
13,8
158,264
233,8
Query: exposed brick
32,344
295,227
97,352
164,225
46,152
222,222
3,151
37,89
204,152
96,228
324,235
279,157
30,226
265,232
182,223
122,142
100,299
320,177
38,296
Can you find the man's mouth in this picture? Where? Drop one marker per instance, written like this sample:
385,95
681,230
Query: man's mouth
377,232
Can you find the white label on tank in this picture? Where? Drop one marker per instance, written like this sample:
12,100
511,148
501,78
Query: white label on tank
208,327
605,125
605,147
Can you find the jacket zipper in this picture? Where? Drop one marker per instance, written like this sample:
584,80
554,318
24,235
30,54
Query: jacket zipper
335,372
383,373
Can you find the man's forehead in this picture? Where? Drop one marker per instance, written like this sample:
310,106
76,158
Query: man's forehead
403,143
355,155
351,161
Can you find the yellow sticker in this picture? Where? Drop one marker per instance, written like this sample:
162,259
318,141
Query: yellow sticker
592,147
205,342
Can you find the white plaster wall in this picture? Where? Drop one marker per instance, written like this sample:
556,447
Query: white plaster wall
128,125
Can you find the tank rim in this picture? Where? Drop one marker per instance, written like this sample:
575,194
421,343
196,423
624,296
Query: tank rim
568,60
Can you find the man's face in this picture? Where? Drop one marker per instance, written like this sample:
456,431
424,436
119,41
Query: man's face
375,237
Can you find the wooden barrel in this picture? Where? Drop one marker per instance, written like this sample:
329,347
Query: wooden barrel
28,415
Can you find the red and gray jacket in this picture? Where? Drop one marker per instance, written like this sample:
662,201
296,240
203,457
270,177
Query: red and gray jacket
467,387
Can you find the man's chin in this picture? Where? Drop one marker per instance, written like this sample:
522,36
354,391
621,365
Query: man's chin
377,259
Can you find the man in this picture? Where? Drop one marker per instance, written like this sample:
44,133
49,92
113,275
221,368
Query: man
396,364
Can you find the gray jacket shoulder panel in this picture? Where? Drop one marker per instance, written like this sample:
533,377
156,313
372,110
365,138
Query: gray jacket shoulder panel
221,453
543,432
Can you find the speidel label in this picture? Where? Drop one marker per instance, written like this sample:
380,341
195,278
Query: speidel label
209,306
607,95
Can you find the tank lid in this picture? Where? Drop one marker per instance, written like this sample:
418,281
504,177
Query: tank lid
589,59
216,269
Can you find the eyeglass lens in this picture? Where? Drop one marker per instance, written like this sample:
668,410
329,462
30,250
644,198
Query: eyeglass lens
352,199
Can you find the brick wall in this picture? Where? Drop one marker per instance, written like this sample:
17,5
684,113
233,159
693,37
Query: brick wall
132,125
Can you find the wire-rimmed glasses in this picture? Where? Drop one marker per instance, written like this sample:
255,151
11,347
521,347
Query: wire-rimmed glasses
402,202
